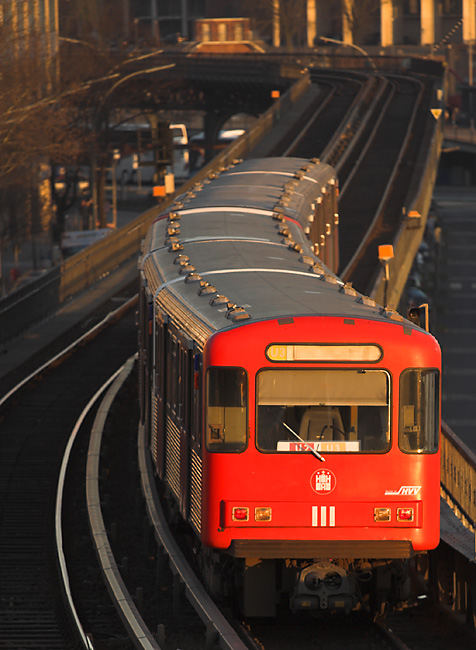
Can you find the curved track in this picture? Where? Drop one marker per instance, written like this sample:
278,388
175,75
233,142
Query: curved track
38,419
321,127
371,207
374,152
36,422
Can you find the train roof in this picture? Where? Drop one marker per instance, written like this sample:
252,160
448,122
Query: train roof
290,184
230,255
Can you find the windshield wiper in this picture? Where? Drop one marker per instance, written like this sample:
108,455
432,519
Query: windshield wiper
308,447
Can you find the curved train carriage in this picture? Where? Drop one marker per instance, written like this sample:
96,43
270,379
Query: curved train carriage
294,422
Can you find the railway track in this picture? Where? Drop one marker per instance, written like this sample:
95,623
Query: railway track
36,421
155,569
339,94
383,177
374,152
32,610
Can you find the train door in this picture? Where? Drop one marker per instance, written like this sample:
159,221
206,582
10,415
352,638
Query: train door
145,356
195,441
185,360
177,414
159,394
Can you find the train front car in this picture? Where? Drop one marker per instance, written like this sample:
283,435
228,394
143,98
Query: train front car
293,420
322,456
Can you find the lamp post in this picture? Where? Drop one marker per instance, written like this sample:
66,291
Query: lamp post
336,41
385,254
97,195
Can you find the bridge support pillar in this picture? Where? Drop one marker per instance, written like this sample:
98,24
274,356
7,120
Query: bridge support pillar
471,611
311,23
428,22
390,22
452,579
469,21
347,20
212,123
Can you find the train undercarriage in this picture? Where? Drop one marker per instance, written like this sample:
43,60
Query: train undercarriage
265,587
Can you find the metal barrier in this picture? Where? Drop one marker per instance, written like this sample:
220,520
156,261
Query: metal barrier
458,477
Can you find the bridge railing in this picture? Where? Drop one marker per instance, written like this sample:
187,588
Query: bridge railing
458,477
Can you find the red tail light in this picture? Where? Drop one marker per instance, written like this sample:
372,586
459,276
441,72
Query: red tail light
405,514
240,514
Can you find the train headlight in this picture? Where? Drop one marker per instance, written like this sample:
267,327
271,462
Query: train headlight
312,581
240,513
405,514
382,514
263,514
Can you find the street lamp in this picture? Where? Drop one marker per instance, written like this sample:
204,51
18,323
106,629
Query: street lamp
385,254
326,39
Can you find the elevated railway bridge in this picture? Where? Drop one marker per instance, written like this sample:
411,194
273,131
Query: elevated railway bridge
379,133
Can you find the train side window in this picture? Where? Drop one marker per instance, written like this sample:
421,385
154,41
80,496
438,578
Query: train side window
227,405
418,430
172,375
196,405
160,359
185,387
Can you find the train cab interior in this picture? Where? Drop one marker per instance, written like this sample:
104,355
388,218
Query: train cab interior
333,410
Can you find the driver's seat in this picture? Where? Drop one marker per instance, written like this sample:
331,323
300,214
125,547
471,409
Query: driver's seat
321,423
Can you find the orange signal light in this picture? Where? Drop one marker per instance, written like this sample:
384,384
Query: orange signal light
158,190
263,514
382,514
385,252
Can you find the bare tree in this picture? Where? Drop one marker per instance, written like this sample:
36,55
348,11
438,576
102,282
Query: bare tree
45,126
36,127
292,17
362,18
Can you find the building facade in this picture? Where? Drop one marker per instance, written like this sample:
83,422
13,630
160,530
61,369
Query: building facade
31,26
395,22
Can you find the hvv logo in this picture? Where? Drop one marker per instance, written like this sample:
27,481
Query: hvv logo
404,491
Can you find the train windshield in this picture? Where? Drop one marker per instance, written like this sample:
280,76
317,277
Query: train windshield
343,411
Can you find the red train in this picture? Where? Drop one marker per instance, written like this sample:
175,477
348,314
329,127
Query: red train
293,421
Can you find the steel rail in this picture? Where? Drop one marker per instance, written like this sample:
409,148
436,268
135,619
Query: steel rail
85,640
111,316
358,111
300,136
358,134
138,631
347,272
388,635
196,593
